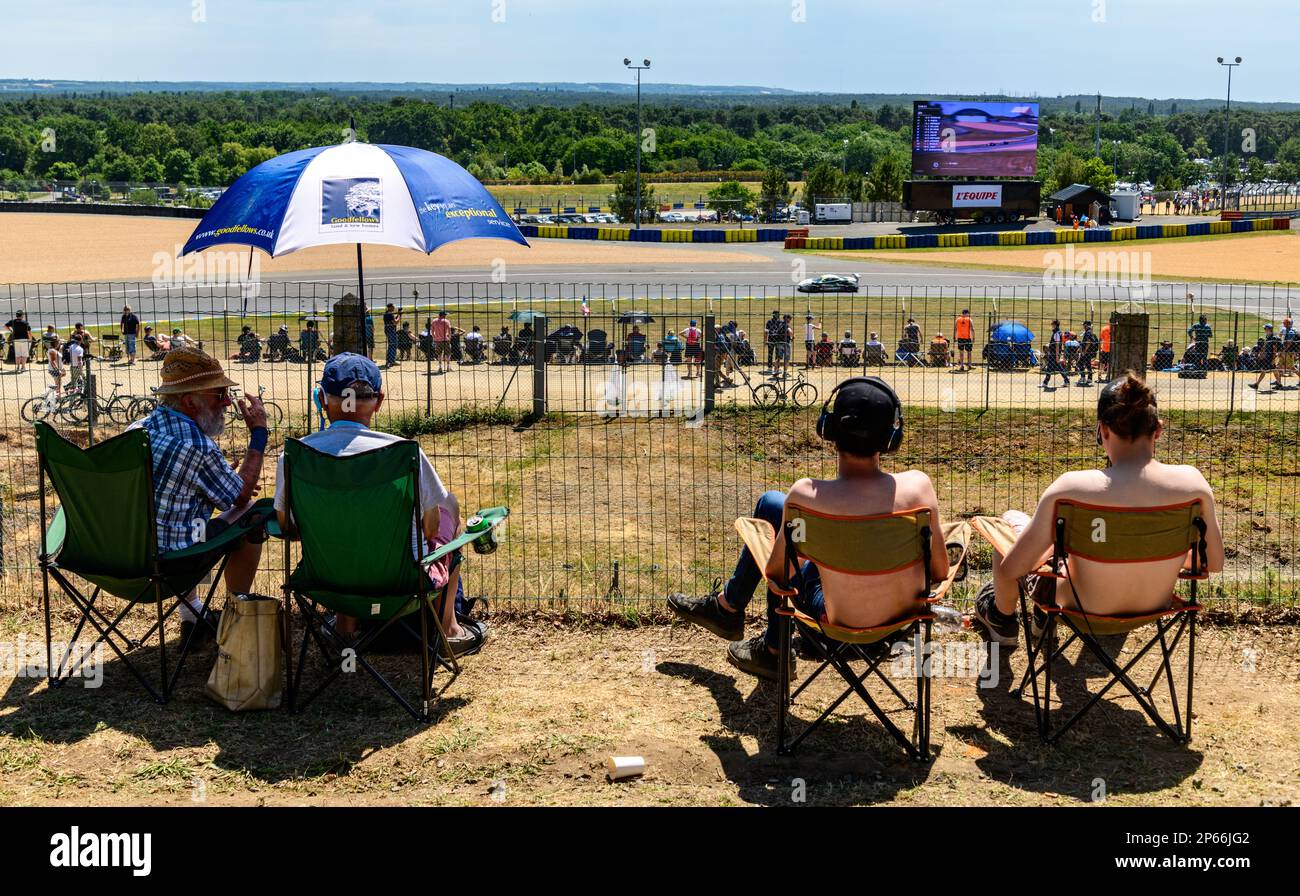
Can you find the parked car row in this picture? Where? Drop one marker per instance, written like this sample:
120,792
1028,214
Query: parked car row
571,218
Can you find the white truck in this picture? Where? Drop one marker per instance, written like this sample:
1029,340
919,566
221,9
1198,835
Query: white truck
833,213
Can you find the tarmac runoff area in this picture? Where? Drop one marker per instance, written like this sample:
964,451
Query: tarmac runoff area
67,248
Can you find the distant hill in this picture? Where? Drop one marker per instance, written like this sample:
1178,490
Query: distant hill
524,93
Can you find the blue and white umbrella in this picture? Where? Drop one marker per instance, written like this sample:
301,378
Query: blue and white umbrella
353,193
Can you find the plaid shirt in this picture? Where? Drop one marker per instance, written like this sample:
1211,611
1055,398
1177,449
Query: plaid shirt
190,476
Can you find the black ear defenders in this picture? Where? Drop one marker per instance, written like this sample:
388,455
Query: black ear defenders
830,425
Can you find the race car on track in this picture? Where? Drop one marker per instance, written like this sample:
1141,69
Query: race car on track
830,283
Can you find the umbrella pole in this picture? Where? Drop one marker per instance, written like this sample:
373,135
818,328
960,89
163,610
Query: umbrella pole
361,305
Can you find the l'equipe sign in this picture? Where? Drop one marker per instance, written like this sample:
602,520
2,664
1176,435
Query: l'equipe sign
977,196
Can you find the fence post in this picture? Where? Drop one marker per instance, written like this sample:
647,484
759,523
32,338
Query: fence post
539,365
90,401
1232,382
710,360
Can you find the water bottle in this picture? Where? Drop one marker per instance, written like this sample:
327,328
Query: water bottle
946,619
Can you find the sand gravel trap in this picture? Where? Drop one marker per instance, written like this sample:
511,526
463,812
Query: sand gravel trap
1271,258
36,248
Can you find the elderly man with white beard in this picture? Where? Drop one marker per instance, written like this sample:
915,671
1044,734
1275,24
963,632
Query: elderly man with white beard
190,474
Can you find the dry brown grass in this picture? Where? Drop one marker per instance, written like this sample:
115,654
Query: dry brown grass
534,716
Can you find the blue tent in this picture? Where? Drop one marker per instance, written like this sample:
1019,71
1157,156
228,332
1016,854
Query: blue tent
1011,331
1010,345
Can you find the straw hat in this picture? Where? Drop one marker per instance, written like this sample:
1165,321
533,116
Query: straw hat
190,370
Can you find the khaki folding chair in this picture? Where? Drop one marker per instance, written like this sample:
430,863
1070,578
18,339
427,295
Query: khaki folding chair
1114,535
877,546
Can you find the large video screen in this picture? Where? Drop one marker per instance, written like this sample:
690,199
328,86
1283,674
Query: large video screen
977,139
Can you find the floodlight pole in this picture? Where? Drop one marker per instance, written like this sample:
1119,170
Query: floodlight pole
638,69
1227,125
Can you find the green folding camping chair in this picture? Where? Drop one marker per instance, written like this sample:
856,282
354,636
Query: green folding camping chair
874,546
1119,535
356,517
104,532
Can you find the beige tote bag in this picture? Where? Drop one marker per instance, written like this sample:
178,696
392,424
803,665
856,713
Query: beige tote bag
247,673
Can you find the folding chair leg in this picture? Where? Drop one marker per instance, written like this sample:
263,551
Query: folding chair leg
1191,672
920,725
1048,630
1169,679
783,625
1032,651
1118,676
425,674
162,642
49,642
879,713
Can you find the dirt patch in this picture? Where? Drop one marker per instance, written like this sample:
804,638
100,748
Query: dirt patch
1254,258
67,248
532,719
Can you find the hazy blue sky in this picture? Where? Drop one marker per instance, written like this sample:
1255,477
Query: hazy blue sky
1154,48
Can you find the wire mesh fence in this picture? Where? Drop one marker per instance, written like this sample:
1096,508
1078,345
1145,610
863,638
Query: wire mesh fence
627,424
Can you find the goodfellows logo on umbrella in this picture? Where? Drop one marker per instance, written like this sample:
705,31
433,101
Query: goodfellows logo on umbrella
351,203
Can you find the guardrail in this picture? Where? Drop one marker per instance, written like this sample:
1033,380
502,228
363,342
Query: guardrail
1037,237
898,240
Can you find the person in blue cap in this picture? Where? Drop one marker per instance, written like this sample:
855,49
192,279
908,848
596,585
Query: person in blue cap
352,392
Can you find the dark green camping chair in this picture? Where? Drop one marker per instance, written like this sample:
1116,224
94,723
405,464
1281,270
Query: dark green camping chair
1128,535
878,546
355,517
104,532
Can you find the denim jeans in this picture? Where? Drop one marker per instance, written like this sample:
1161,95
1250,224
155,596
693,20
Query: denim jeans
391,336
740,587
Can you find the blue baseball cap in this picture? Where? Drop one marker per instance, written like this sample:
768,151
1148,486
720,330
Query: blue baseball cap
346,368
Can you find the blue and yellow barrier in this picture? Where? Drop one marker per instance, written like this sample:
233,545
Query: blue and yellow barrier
903,241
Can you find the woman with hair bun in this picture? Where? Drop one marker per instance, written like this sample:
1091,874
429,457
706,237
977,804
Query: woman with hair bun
1128,428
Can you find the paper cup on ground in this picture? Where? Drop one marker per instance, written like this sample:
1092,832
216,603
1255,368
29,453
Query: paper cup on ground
620,767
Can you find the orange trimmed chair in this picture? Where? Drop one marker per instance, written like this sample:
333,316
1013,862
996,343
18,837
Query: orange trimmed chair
1114,535
888,544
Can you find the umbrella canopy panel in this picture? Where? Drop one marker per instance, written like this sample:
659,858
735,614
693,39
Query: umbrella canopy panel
353,193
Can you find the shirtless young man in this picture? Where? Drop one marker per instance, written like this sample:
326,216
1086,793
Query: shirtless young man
1127,427
866,414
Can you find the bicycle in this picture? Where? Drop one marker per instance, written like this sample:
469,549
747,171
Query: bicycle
40,407
800,393
115,408
274,413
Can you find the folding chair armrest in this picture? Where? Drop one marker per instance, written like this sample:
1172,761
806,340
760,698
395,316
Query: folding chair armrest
255,517
56,534
760,538
996,531
954,534
494,515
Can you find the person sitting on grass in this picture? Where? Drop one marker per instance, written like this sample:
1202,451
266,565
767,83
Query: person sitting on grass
250,345
192,477
1127,428
868,422
352,387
